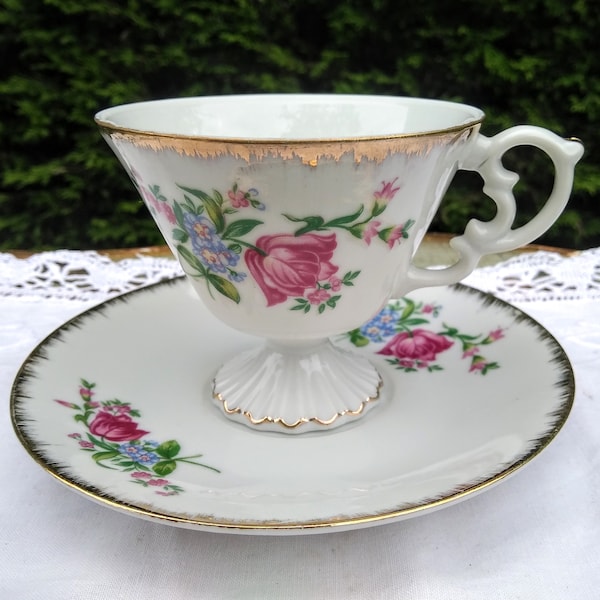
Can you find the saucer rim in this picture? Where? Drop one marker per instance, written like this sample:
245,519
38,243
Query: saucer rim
565,384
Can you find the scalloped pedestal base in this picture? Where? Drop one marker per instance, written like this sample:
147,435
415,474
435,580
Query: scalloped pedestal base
296,387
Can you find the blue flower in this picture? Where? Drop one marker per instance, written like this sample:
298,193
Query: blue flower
237,277
381,326
207,245
138,454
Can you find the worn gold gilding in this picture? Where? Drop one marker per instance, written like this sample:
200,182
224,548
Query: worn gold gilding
233,410
310,152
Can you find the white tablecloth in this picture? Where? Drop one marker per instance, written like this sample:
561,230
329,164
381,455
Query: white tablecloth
535,536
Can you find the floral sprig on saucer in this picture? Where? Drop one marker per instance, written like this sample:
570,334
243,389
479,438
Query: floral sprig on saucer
400,329
114,440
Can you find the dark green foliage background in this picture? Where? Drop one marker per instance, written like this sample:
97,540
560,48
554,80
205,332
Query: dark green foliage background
62,60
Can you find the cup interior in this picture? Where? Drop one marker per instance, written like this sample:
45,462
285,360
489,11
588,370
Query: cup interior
290,117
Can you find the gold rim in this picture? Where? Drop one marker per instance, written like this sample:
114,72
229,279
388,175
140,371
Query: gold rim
111,128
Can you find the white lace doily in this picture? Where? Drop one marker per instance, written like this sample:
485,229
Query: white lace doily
87,275
80,275
542,276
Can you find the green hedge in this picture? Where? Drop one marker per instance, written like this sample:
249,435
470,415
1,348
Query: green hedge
62,60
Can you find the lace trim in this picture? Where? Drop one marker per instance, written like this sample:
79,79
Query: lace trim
89,276
77,275
542,276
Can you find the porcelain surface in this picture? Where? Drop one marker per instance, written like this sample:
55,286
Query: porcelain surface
117,405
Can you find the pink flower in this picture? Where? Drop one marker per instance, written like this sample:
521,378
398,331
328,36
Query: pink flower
371,230
117,428
166,210
141,475
336,284
470,352
160,493
387,191
291,264
238,199
478,366
158,482
495,335
85,444
75,436
396,234
67,404
428,308
419,345
318,296
87,392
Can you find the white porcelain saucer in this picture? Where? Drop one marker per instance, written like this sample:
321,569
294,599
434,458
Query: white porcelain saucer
117,405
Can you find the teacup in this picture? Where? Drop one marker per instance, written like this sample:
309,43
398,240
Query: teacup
296,218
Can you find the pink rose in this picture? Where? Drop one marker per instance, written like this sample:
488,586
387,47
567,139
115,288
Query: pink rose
291,264
418,344
117,428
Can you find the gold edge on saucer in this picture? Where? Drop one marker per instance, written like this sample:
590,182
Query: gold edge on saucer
35,449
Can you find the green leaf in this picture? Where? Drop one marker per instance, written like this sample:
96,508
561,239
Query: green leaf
347,219
236,248
414,322
378,209
180,236
348,277
322,308
213,210
191,259
168,449
178,211
98,456
240,228
358,339
408,310
225,287
218,197
312,224
164,467
356,231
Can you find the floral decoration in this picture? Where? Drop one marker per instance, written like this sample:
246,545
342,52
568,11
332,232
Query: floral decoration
400,330
114,439
297,266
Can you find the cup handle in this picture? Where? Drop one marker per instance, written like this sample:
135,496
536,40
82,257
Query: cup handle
496,235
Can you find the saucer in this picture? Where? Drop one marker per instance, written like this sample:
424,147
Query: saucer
117,405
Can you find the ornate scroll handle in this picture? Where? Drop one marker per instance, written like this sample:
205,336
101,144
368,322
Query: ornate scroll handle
496,235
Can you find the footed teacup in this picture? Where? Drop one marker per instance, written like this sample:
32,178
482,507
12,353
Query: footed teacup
296,218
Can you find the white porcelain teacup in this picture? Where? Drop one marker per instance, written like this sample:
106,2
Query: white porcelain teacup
296,218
